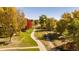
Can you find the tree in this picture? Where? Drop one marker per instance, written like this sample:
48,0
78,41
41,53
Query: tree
75,14
20,20
61,26
50,24
73,28
11,20
35,22
67,17
42,21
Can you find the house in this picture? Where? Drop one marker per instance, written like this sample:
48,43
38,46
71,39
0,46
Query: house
28,23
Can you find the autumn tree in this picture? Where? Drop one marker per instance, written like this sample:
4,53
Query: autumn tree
73,28
61,26
63,23
67,17
11,20
50,24
20,20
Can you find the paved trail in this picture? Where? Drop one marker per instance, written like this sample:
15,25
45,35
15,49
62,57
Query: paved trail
51,45
40,44
14,48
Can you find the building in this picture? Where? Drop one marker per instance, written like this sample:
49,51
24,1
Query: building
28,23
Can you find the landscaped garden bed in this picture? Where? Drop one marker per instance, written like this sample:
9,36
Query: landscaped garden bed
54,39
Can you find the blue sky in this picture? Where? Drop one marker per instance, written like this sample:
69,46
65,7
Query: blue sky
56,12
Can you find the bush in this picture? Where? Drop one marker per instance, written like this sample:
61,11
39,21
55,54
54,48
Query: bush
51,36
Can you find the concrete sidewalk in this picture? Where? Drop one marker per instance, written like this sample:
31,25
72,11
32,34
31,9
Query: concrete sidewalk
40,44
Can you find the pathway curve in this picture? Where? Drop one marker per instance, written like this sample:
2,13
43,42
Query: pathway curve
40,44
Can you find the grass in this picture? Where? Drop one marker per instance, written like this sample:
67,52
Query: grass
26,39
31,49
22,40
40,35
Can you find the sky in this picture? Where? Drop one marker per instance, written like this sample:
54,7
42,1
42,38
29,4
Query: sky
56,12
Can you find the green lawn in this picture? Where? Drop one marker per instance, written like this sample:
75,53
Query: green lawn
31,49
26,39
40,35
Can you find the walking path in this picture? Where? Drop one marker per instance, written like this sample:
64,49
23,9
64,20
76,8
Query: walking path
14,48
40,44
50,44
